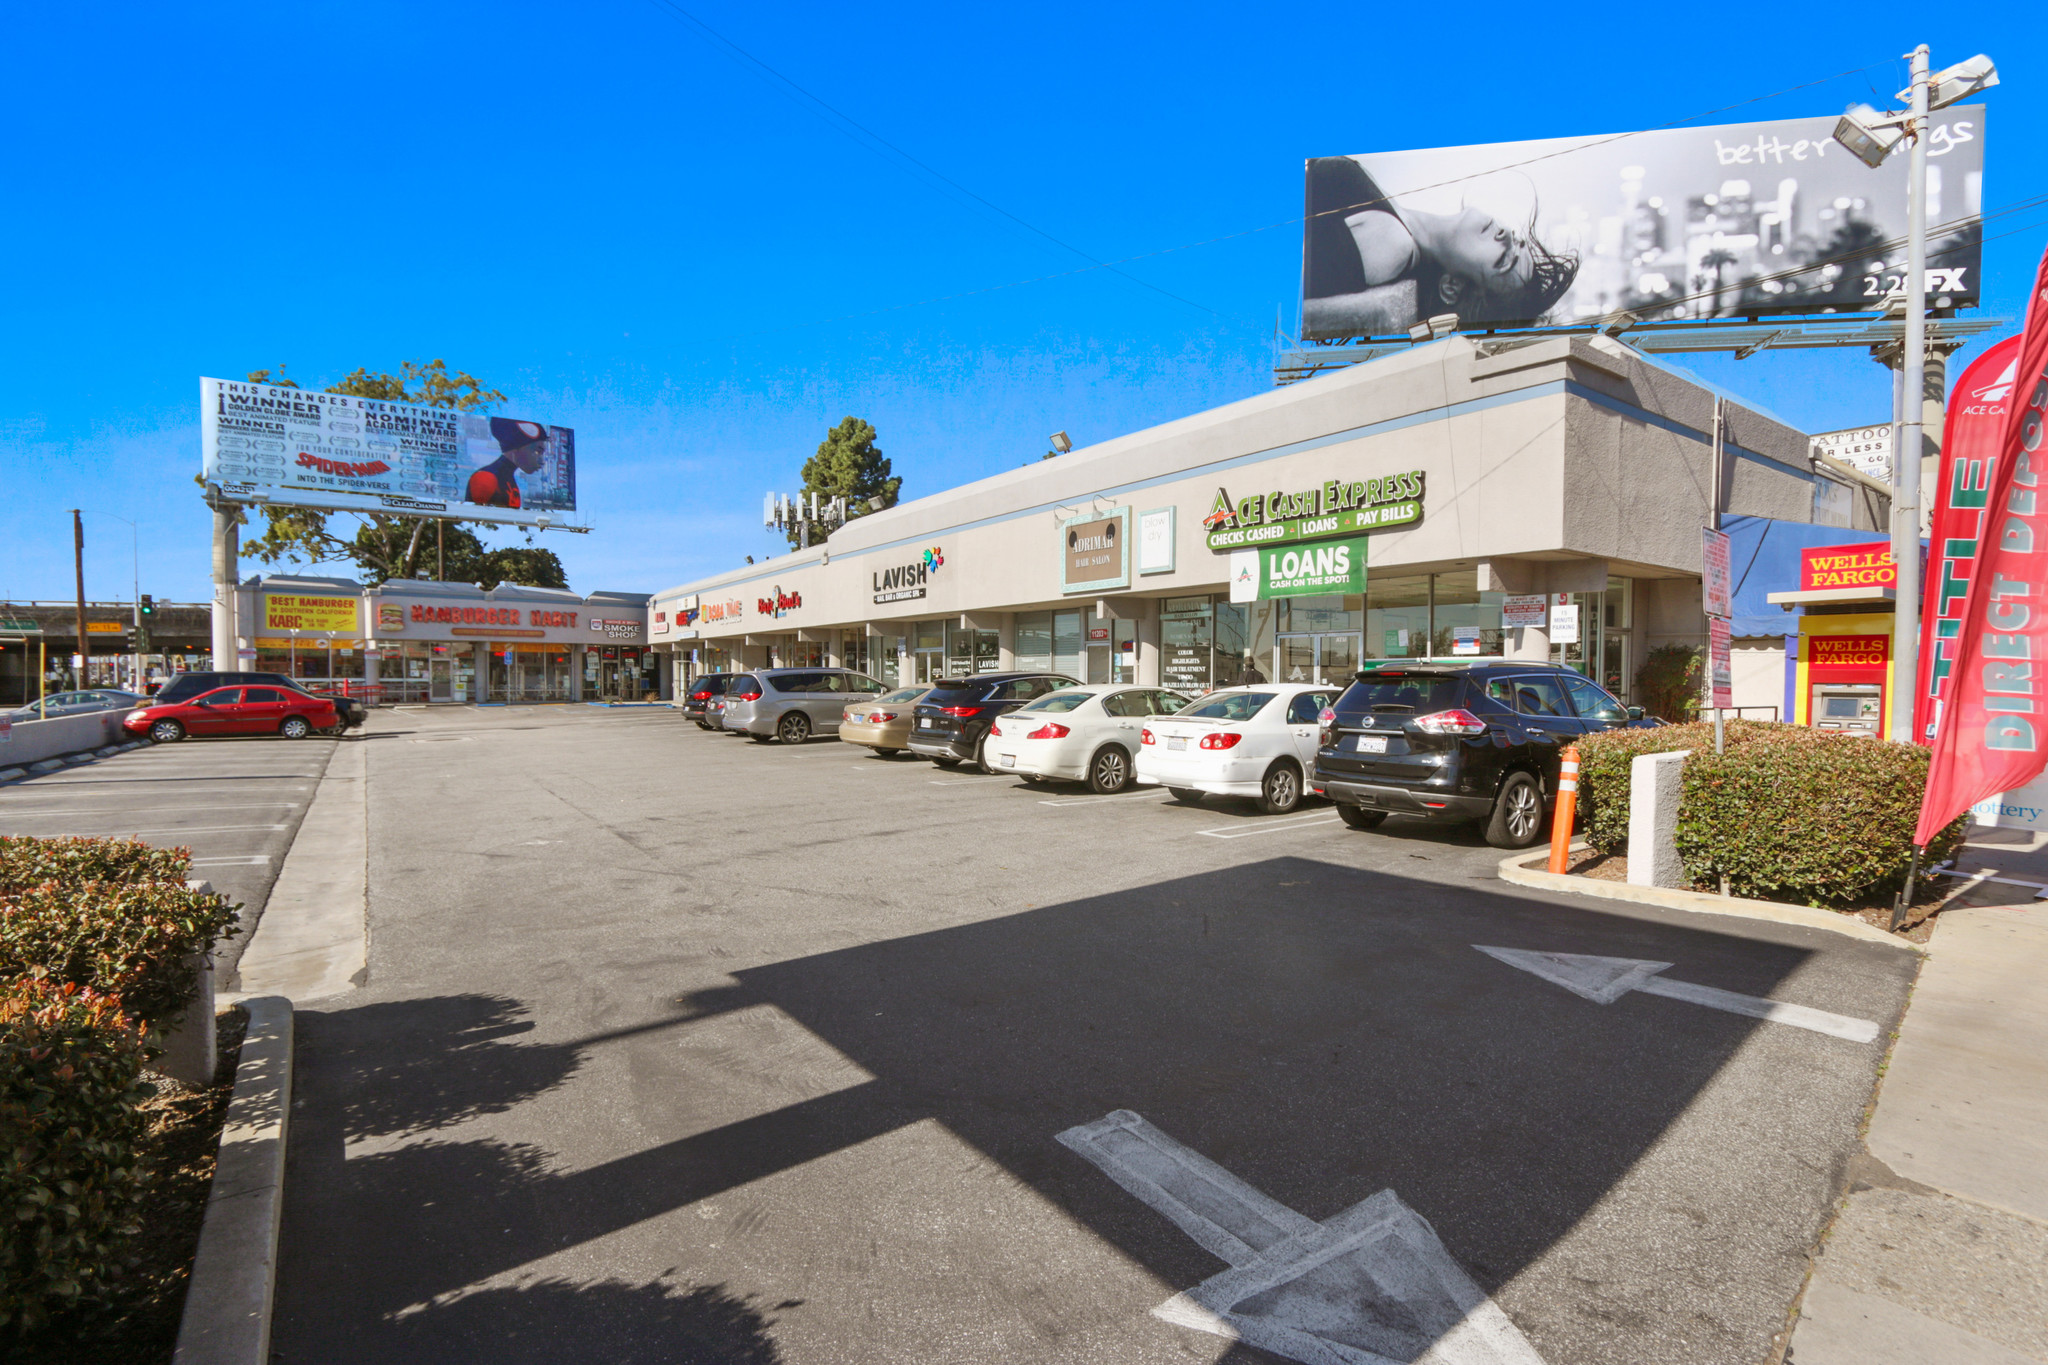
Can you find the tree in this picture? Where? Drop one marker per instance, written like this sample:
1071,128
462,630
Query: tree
386,547
848,465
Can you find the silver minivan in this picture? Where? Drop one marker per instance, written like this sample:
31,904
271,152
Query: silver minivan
792,704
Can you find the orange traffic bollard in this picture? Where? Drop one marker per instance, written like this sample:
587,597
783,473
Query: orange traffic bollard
1567,809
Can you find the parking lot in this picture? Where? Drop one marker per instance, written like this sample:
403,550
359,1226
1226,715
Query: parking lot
679,1047
236,803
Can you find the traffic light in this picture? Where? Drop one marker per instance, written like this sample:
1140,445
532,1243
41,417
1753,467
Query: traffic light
148,605
141,637
133,644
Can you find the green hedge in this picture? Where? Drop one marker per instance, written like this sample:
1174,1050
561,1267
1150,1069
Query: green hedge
1804,815
1604,760
70,1125
26,861
133,941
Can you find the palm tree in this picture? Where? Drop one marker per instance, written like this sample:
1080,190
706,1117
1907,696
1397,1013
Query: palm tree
1715,260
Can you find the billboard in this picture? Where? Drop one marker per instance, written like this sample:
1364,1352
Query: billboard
1679,224
343,453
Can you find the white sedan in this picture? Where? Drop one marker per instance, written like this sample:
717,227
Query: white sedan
1257,741
1078,734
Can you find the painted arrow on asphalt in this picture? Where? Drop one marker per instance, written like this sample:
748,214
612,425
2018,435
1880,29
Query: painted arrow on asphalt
1604,980
1371,1286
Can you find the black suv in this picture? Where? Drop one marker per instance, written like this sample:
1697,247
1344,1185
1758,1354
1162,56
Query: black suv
953,718
1454,741
185,686
706,687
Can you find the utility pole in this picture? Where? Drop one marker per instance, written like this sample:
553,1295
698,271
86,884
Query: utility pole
1912,419
78,562
225,551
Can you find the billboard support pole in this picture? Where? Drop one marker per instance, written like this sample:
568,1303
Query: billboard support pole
1913,413
225,553
78,560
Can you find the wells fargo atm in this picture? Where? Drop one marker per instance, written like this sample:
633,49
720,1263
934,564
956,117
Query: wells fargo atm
1842,675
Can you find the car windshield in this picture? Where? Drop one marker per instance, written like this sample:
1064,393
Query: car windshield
1412,692
1226,706
903,694
1057,701
954,693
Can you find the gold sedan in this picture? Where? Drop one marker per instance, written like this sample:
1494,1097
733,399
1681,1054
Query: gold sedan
884,723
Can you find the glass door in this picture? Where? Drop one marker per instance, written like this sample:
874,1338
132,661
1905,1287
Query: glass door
440,681
1295,659
1336,659
1326,659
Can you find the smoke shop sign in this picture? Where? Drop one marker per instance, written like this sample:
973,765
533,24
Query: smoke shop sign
1328,511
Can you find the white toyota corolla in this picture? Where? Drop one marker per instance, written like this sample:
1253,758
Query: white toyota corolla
1257,741
1078,734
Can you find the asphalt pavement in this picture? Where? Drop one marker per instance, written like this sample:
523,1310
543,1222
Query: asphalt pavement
235,802
675,1047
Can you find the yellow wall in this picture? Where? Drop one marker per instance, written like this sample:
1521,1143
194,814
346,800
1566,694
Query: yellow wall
1879,623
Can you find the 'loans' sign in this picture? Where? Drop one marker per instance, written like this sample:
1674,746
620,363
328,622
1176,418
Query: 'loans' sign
1309,570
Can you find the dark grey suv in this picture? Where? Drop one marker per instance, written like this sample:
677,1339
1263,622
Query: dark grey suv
952,720
792,704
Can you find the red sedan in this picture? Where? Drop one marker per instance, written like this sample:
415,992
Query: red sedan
234,711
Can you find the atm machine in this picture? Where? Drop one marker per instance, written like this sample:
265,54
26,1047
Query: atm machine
1850,708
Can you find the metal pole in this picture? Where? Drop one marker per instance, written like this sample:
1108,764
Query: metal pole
78,559
1912,385
224,571
135,558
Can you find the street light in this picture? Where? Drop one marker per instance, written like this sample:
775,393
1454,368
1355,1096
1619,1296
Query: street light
1871,136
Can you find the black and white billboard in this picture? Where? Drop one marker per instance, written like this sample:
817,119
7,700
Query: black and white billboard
1684,223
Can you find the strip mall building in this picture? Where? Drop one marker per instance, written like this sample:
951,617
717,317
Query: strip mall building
1416,505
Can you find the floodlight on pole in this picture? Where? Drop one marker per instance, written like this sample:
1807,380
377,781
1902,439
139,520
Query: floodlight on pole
1869,135
1060,442
1958,82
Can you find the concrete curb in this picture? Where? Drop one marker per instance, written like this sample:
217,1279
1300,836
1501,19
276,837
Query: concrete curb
228,1302
313,939
1515,869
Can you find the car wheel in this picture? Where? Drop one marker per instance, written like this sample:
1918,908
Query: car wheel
334,731
947,762
703,725
1187,796
295,727
1517,819
793,728
1110,772
1281,791
1358,817
166,732
887,753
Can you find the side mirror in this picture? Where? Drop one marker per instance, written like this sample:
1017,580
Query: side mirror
1635,713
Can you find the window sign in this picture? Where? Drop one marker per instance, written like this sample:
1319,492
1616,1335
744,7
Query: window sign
1524,609
1155,541
1564,623
1304,571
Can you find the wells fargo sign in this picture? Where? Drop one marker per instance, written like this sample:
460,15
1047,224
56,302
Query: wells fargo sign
1849,651
294,611
1868,565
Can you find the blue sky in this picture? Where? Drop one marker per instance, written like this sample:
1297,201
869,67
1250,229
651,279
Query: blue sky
633,231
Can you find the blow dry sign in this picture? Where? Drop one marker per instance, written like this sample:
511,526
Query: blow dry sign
1305,571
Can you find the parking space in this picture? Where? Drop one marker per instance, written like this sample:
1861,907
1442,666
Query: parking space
236,803
799,1054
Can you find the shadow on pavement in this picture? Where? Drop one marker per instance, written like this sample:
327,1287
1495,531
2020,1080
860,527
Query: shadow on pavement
551,1320
1322,1032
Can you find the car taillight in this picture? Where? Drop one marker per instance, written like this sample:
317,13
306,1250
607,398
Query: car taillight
1052,729
877,717
1327,723
745,696
699,696
1145,737
960,712
1455,721
1226,740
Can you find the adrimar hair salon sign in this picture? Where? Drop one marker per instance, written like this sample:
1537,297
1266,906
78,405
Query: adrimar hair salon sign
1336,508
1868,565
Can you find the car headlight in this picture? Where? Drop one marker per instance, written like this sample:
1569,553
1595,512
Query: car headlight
138,715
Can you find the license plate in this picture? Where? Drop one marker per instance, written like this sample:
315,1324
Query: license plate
1176,741
926,724
1371,744
1009,760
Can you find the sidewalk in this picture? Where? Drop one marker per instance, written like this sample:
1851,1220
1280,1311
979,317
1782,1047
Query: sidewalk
1941,1251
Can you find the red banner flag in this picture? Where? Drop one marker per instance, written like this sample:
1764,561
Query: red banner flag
1992,735
1969,451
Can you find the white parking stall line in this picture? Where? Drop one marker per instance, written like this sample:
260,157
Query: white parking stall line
253,861
1276,827
53,812
194,829
1092,800
964,782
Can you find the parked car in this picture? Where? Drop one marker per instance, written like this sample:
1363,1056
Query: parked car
884,723
1450,740
953,719
282,711
701,692
74,704
350,712
1078,734
1257,741
792,704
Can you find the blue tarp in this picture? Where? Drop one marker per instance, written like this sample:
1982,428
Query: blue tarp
1764,558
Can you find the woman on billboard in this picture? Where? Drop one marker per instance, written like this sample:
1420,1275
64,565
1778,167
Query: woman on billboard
1373,267
521,446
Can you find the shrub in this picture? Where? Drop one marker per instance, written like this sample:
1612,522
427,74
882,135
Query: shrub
1670,681
1604,769
26,861
134,941
70,1125
1803,815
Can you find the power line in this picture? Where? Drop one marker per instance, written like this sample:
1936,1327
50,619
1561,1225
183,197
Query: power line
849,122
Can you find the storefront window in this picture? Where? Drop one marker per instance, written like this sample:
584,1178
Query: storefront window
1244,643
1068,632
1187,634
1034,642
1466,620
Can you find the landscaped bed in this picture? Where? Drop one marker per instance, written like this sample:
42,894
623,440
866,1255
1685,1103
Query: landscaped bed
1929,895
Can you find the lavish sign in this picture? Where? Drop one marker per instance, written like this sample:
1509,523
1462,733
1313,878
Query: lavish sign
1095,552
1868,565
1256,575
1329,510
1723,221
907,582
336,451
